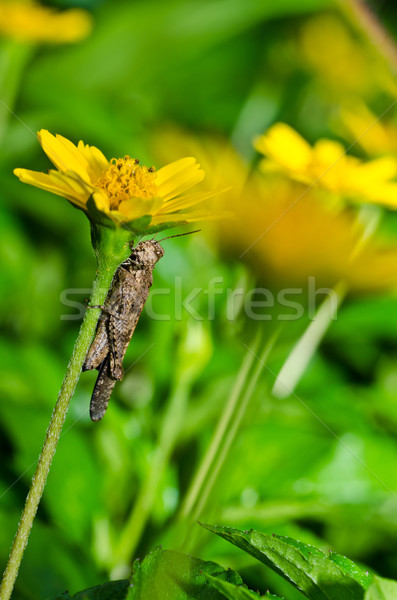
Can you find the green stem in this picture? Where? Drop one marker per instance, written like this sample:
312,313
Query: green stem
106,270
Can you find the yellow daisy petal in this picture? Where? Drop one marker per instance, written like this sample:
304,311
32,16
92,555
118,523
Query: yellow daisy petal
82,192
385,195
186,201
178,176
284,145
55,185
138,207
179,185
97,162
31,22
101,201
381,169
63,154
174,168
328,152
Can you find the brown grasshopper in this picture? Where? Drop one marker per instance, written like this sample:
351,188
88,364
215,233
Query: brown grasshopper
120,314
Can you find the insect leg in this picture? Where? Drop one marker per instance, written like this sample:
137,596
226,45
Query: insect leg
115,357
99,348
102,391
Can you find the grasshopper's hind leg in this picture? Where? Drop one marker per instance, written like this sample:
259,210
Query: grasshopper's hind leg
102,391
99,348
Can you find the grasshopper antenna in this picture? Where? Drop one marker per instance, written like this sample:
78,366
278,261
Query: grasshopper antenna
179,235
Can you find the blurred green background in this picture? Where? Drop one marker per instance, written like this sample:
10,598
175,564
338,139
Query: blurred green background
159,80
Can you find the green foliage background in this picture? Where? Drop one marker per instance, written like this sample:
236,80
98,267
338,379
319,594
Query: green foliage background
319,465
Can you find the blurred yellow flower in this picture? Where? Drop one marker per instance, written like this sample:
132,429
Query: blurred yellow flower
285,241
376,136
118,191
327,165
31,22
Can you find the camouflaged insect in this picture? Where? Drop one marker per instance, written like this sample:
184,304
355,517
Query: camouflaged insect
116,325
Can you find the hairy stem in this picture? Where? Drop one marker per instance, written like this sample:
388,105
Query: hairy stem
100,288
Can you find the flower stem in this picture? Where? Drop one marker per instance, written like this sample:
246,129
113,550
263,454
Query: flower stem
100,288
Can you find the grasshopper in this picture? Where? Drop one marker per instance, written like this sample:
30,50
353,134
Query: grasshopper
120,314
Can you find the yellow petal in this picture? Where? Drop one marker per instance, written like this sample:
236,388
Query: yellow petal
81,190
178,187
63,154
186,201
178,176
31,22
97,162
380,169
133,208
385,195
53,183
284,145
174,168
189,217
101,201
328,152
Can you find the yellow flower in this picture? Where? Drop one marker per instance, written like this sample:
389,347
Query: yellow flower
376,136
118,191
31,22
327,166
285,241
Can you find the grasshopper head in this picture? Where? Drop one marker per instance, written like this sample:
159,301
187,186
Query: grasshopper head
149,252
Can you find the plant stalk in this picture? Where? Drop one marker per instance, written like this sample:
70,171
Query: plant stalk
100,288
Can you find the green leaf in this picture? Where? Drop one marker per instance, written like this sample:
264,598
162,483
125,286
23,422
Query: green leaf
168,575
236,592
113,590
382,589
364,578
318,576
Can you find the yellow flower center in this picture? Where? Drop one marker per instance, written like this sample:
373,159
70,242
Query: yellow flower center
126,179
